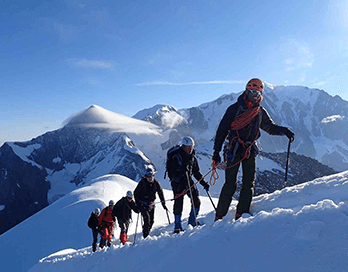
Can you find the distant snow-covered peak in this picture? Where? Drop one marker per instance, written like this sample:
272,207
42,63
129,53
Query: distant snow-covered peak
165,116
269,85
98,117
92,115
141,115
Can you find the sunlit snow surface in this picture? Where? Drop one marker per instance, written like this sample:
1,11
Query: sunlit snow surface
300,228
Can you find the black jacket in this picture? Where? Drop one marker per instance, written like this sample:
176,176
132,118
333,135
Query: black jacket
250,132
145,192
123,209
93,221
180,163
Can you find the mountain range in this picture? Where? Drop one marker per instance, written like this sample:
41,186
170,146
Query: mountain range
36,173
96,142
319,121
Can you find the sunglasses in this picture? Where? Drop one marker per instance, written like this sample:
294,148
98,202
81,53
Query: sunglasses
254,91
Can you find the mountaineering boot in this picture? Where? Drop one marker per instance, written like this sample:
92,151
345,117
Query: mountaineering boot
218,217
177,223
94,247
177,230
192,218
109,243
123,238
102,243
237,216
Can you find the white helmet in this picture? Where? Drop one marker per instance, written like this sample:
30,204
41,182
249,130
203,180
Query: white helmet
97,211
149,172
129,194
111,203
188,141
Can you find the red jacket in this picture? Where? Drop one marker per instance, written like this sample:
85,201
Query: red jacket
106,216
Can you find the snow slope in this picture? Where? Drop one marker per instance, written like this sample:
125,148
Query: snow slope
63,224
300,228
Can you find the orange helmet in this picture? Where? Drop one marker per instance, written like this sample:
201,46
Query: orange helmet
255,84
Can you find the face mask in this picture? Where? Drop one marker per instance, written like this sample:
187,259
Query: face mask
254,96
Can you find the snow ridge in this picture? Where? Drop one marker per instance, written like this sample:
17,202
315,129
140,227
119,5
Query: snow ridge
300,228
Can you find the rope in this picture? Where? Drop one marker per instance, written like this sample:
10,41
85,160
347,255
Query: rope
184,192
240,122
214,174
245,118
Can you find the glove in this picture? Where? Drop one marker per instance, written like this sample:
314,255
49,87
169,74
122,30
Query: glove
205,185
288,134
164,206
216,157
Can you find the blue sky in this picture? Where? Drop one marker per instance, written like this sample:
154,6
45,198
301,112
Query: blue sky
59,57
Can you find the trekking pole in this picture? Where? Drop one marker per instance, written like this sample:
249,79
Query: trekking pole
192,202
211,200
168,217
136,226
287,163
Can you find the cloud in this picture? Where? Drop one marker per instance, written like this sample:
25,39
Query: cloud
94,64
100,118
320,83
190,83
332,118
171,119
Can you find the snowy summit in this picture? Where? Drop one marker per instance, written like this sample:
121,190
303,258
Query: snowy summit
98,117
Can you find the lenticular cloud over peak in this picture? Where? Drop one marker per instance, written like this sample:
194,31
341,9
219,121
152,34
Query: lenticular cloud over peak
98,117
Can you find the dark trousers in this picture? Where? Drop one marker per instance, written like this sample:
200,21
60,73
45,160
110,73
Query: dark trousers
230,185
148,215
95,238
124,225
178,188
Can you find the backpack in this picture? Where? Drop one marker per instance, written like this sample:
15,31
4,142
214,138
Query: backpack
92,221
170,153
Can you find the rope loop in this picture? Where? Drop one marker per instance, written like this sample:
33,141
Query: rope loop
214,174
